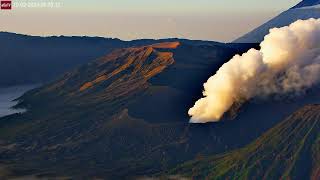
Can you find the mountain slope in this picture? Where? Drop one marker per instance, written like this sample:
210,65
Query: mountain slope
306,3
125,115
33,59
290,150
121,115
304,10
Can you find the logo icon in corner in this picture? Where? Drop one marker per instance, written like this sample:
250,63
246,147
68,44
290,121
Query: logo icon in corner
6,5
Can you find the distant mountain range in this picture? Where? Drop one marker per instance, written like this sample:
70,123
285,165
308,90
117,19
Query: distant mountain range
304,10
32,59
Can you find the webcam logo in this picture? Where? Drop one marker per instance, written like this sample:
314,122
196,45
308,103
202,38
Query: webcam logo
6,5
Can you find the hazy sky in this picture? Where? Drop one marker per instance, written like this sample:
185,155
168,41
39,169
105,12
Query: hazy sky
220,20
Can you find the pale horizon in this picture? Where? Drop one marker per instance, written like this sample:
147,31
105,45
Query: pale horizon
126,20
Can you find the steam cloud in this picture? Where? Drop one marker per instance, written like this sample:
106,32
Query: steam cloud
287,63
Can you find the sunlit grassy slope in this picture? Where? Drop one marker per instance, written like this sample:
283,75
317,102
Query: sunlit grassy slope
291,150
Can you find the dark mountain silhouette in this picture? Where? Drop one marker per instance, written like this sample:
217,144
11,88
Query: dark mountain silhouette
33,59
290,150
306,3
304,10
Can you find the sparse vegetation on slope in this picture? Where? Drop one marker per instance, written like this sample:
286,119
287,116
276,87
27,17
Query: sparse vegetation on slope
290,150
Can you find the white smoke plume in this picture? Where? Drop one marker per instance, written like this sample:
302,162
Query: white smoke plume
287,63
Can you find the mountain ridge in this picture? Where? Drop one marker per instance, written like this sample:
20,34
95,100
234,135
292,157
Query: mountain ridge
306,3
283,19
42,59
290,150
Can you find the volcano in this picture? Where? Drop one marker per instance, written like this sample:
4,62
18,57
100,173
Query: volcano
121,115
304,10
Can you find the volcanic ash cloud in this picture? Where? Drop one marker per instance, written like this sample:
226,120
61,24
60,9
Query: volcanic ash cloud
287,63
